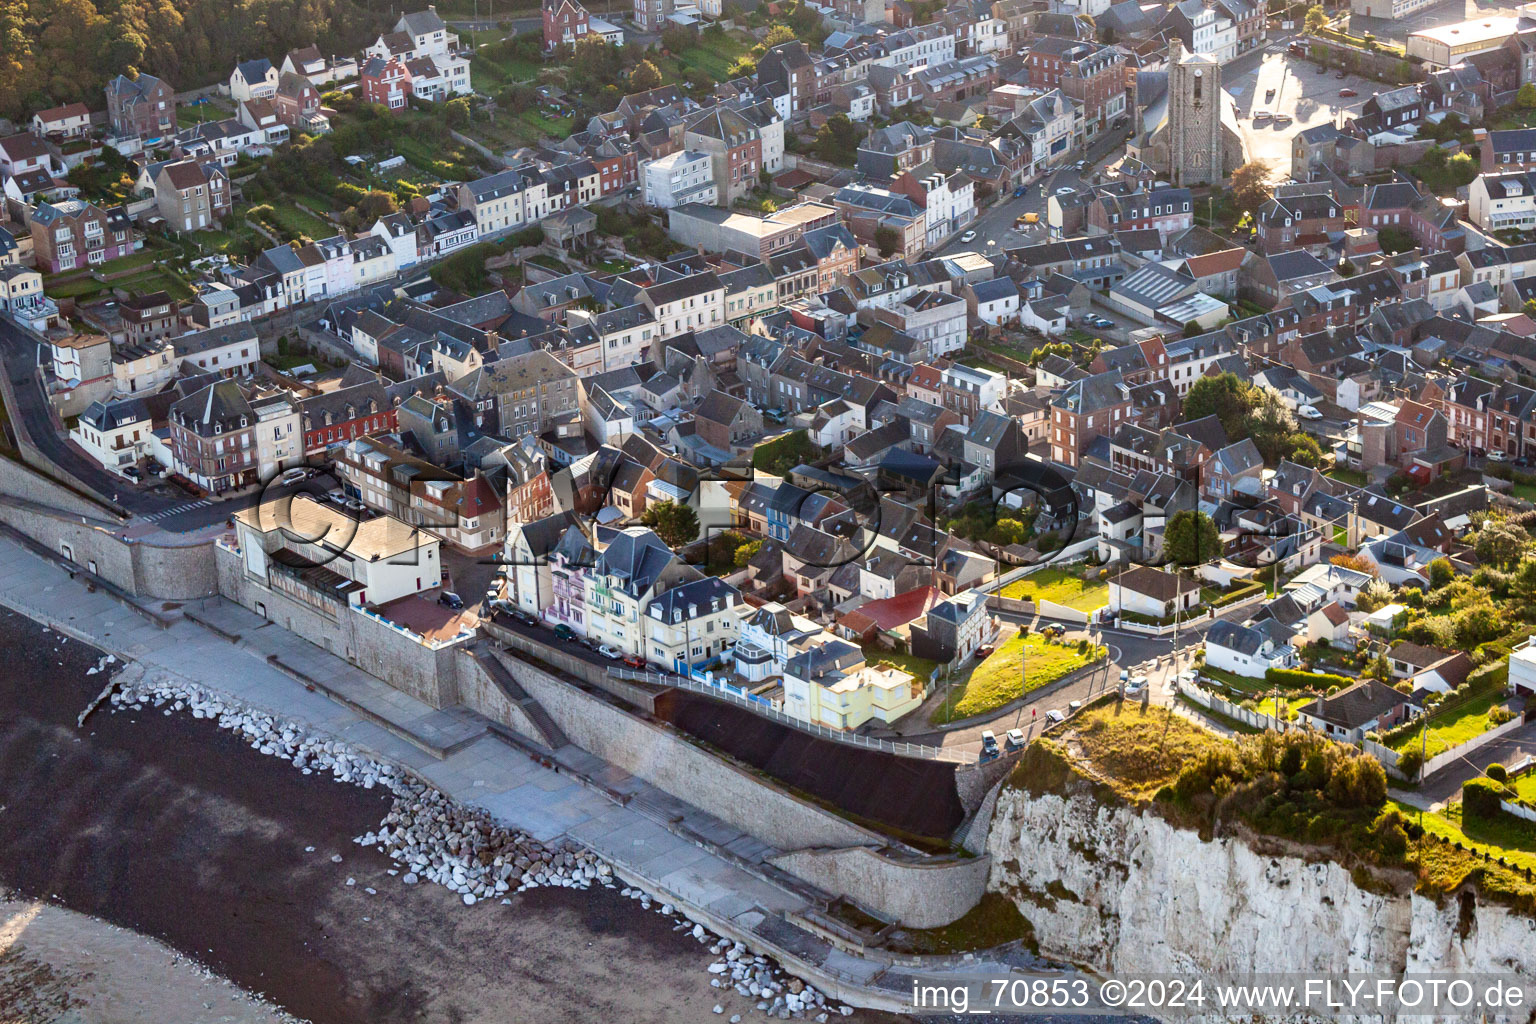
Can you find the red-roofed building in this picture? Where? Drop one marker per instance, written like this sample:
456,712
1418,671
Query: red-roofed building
887,615
926,384
71,121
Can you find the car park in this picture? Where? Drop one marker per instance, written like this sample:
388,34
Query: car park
610,652
969,236
1014,739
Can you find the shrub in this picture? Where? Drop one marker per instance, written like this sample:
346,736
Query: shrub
1480,798
1497,772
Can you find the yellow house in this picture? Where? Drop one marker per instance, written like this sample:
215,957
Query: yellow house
832,685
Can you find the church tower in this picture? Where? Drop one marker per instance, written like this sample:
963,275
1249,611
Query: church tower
1194,118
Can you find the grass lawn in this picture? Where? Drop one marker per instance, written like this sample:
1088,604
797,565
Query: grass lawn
1525,491
1023,664
713,56
79,288
143,258
1452,728
1139,751
613,266
541,125
785,452
1353,477
918,668
1282,707
1060,586
1525,786
292,221
1242,686
980,362
156,279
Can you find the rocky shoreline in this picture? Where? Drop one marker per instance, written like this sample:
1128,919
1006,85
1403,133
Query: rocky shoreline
432,838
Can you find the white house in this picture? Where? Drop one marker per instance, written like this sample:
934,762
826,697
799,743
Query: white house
1498,201
771,636
1152,593
115,434
379,560
996,301
253,80
399,234
1244,650
1316,585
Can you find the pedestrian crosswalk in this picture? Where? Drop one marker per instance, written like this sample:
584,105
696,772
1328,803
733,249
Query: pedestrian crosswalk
167,513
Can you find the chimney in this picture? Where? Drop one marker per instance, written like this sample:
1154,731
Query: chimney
1175,51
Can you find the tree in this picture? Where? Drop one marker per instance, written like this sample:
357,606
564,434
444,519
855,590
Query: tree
838,141
456,113
1529,308
777,35
1224,396
1192,329
887,240
595,61
1394,240
1440,573
1525,98
1250,186
1008,531
676,39
1359,563
645,77
1191,538
1346,269
676,525
1500,543
1316,18
746,553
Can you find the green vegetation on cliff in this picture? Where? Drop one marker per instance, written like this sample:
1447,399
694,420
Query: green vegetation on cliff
1298,786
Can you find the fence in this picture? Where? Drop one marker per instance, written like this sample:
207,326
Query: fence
1222,706
768,710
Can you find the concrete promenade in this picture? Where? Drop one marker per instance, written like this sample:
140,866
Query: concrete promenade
676,852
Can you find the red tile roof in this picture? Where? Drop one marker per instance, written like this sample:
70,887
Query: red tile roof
891,612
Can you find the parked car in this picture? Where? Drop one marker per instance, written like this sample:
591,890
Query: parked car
634,661
527,618
1136,684
565,632
503,606
1014,739
1322,69
1497,456
1053,716
969,236
1342,75
1075,706
1347,93
1020,192
448,599
989,744
1065,190
1054,629
293,476
132,473
610,652
1308,412
1282,120
983,653
1260,116
493,593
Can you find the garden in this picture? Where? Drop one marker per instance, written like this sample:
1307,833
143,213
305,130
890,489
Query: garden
1025,663
1460,718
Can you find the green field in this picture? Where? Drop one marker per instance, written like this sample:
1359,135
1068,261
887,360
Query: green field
1023,664
1060,586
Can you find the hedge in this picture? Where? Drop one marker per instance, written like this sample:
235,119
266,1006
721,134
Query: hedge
1238,593
1480,798
1295,679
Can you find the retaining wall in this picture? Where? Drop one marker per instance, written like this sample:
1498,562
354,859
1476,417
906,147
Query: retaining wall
429,674
80,531
479,691
919,894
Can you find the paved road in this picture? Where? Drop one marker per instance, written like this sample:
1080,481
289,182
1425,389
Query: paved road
994,227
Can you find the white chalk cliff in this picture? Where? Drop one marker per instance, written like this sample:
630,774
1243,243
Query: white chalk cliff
1118,889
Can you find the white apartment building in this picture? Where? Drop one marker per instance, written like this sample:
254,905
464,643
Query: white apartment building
682,177
1496,201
